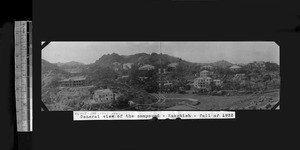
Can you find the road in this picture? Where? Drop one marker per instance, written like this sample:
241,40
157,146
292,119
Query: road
160,98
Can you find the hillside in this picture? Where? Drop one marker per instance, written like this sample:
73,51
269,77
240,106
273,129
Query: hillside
51,73
70,64
137,85
221,63
47,66
138,59
114,63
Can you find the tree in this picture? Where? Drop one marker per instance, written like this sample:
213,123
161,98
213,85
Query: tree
271,66
214,87
267,77
102,73
54,82
122,101
231,85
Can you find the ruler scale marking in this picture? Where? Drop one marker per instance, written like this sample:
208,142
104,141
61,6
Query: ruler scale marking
23,73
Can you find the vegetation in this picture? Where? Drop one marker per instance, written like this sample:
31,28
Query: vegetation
136,85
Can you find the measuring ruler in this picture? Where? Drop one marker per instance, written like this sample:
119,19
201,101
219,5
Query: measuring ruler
23,75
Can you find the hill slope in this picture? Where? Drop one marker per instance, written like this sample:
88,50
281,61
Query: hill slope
51,73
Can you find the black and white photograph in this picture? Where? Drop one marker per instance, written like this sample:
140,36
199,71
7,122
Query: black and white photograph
157,74
160,75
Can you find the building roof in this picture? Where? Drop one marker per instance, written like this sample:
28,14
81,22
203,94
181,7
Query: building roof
146,67
203,78
207,66
116,63
103,90
204,71
235,67
173,65
168,84
127,65
74,79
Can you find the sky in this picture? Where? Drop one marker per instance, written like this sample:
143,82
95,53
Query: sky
199,52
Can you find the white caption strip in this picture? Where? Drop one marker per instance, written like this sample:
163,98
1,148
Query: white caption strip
146,115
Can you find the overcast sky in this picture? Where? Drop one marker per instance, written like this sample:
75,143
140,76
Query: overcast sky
201,52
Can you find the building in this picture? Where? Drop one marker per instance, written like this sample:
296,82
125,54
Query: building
240,76
146,67
123,77
204,73
259,64
167,83
73,82
127,66
104,95
234,67
209,67
162,71
202,82
173,65
217,82
116,66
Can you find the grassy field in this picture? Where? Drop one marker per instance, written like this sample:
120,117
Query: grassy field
258,101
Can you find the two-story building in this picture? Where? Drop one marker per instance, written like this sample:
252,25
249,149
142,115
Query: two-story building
104,95
73,82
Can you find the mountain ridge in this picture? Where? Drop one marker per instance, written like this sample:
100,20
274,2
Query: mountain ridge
163,60
70,63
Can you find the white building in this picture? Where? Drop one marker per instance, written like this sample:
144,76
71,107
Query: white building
124,77
104,95
146,67
217,82
204,73
173,65
240,76
234,67
116,66
127,66
202,82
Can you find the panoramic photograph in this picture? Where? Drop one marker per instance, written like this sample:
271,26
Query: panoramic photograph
158,76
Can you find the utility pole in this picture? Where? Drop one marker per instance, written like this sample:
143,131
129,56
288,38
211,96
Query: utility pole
161,71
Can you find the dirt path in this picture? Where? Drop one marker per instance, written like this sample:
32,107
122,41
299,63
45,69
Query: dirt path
160,98
190,99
